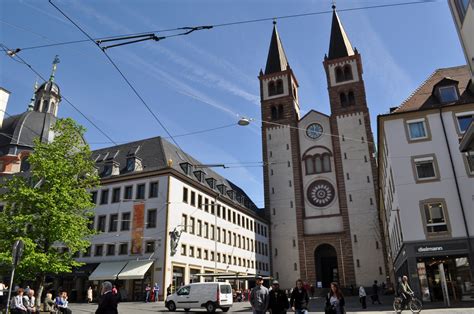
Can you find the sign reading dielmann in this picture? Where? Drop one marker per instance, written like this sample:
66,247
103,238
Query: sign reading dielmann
440,248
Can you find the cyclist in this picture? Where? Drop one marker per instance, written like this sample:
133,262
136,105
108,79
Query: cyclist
406,291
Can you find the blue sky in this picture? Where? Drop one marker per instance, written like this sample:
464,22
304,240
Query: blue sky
209,78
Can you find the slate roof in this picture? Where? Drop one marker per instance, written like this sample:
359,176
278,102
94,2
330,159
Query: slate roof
276,60
339,44
154,154
424,98
19,131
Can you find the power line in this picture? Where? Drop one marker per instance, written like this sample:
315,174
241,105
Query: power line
23,61
281,17
121,74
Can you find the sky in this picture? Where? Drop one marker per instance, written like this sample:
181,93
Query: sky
209,78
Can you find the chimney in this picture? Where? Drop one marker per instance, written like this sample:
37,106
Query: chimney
4,95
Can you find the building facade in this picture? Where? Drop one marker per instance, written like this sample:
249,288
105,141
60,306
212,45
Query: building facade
320,174
426,186
155,199
463,15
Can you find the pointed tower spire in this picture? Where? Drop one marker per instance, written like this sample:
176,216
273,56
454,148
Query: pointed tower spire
339,45
55,65
276,60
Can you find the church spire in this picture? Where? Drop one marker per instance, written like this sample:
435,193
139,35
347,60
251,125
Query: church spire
276,60
339,45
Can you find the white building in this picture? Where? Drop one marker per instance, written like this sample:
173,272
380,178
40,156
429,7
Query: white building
150,188
463,15
427,185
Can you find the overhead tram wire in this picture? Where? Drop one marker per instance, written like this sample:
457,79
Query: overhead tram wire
23,61
121,74
281,17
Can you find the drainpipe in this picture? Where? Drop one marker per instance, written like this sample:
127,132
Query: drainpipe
471,262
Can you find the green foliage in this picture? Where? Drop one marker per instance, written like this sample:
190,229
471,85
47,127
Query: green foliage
50,207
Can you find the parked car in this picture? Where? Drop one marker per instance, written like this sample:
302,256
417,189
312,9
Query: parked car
208,295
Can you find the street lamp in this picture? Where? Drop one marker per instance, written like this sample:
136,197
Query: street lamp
243,121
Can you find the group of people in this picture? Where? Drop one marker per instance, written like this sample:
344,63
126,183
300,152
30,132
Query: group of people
374,297
276,300
152,293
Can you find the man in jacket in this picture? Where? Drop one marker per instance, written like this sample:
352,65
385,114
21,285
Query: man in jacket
278,299
299,298
108,301
259,298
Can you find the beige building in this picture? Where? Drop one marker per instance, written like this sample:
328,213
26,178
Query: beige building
426,185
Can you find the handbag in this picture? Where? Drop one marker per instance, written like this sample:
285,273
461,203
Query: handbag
330,309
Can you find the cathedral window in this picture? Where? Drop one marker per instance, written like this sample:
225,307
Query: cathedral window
339,75
280,111
274,112
351,98
279,86
326,163
319,164
347,72
271,88
343,99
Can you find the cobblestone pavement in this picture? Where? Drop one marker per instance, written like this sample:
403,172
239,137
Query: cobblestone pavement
316,306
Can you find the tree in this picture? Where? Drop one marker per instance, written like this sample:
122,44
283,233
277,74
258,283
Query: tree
50,208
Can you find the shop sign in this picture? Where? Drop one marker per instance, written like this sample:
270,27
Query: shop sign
423,249
440,248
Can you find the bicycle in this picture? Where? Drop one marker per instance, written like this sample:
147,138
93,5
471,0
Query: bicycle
415,305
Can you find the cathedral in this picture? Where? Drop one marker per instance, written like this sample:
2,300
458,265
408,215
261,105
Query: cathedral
320,175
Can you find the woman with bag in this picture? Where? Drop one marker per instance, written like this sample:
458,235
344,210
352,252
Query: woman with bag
335,300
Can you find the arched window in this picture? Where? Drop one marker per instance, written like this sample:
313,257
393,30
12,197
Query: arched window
279,86
326,163
280,111
339,75
343,99
274,113
45,106
309,165
318,164
347,72
271,88
351,98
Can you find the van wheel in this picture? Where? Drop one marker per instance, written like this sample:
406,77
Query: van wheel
171,306
186,310
210,307
225,309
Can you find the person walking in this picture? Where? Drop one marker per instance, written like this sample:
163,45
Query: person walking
156,287
375,293
363,297
335,300
17,306
299,298
169,290
89,295
108,301
147,293
259,298
278,302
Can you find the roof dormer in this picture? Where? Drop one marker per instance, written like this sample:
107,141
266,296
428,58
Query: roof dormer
222,188
446,90
200,175
211,182
187,168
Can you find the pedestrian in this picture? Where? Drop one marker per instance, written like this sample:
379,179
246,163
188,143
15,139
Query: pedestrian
259,298
3,292
352,289
278,300
16,303
157,291
335,300
62,303
299,298
362,297
89,295
108,301
147,293
29,301
375,293
312,291
168,290
114,290
48,304
384,287
406,291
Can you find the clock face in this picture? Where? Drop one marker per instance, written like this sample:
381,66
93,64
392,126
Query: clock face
320,193
314,131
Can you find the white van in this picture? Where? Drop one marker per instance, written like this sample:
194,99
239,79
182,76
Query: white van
208,295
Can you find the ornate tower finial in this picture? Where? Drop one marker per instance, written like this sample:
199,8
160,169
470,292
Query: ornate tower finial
55,64
32,99
333,5
274,21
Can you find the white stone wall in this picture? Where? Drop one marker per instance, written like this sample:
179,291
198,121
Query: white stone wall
319,146
282,206
361,201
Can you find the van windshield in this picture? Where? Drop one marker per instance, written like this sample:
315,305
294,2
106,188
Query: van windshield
225,289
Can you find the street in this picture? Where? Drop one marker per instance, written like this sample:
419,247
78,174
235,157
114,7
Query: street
316,306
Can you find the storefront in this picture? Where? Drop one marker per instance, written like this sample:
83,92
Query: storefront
437,271
178,277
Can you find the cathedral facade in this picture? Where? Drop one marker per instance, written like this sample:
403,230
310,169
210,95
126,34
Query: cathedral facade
320,173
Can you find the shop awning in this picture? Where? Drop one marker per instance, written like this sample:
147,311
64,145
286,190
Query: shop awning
135,270
107,271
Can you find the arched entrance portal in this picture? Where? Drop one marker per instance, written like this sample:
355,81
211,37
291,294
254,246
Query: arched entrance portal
325,258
